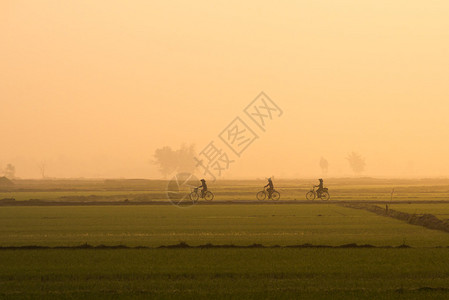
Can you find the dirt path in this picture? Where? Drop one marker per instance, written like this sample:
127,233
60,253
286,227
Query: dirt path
36,202
425,220
183,245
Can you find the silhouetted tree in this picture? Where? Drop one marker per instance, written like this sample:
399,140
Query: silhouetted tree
165,158
357,162
324,165
170,160
42,168
10,171
185,156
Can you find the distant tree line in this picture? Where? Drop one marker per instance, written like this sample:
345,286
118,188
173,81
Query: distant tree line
170,160
355,160
9,171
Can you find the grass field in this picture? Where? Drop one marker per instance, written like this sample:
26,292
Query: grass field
318,224
228,190
225,273
420,272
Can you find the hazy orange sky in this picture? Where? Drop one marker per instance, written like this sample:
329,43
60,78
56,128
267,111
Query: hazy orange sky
94,87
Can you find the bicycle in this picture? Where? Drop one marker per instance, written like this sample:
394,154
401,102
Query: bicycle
312,194
195,195
275,195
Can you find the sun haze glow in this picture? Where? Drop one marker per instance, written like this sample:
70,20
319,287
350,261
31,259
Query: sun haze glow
93,88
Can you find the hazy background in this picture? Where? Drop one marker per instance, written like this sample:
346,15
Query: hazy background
93,88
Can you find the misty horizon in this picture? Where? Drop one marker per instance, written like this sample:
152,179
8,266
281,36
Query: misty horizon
93,89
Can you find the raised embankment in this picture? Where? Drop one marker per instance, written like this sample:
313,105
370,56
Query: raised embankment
425,220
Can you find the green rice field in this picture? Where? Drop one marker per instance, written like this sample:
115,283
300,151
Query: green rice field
250,250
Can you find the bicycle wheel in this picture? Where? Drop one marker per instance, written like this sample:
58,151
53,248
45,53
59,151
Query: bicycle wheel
325,196
209,196
261,195
310,196
194,196
275,195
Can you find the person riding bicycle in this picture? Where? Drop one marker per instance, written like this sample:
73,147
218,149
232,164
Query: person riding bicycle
271,187
320,187
204,186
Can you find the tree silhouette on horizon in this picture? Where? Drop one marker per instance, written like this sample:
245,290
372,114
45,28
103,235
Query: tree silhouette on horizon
169,160
324,165
10,171
356,162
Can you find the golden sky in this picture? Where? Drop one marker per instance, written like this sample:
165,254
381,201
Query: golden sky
94,87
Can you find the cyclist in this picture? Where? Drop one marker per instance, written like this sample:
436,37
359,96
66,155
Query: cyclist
204,186
320,188
271,187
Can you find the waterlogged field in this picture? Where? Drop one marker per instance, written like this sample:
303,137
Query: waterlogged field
156,225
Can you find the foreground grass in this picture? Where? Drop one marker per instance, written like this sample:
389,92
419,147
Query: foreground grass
225,273
219,224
